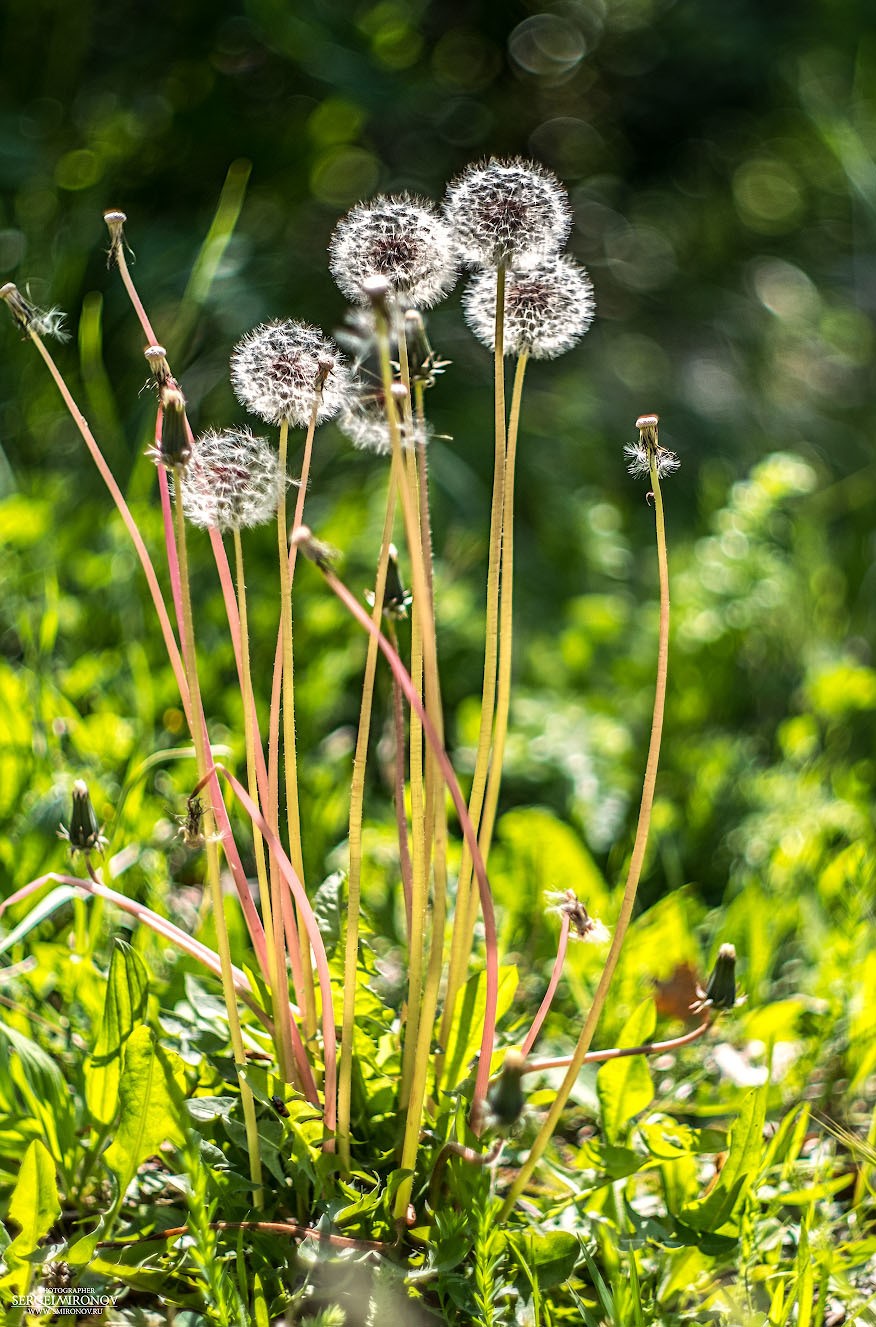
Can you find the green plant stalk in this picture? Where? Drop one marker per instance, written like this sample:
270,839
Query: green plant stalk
401,812
354,882
276,958
460,949
290,756
204,765
635,868
506,633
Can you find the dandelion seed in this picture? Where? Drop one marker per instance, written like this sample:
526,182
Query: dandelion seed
232,481
400,238
279,368
548,308
507,212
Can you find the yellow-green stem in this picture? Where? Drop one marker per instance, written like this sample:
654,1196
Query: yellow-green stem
290,755
204,763
635,868
460,949
276,958
354,883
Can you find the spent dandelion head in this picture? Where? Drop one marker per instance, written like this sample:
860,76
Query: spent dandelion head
509,213
647,448
281,369
43,322
565,903
548,308
232,481
400,238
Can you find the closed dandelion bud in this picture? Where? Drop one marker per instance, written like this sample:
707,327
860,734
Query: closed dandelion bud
400,238
232,481
505,1098
280,370
721,990
510,213
83,833
547,308
172,448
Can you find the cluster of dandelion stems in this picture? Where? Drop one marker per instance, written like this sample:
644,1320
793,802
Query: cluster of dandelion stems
283,929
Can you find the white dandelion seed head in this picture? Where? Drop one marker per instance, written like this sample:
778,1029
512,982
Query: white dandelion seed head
511,212
277,368
231,481
400,238
547,308
364,420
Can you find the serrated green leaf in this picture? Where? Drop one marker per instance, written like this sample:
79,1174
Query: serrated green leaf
152,1107
624,1086
124,1007
464,1040
739,1171
34,1206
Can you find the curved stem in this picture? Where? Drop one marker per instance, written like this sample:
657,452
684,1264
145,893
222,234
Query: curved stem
619,1052
562,945
635,869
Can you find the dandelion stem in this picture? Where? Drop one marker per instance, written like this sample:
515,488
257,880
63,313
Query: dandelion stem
204,764
357,799
462,933
549,994
619,1052
635,867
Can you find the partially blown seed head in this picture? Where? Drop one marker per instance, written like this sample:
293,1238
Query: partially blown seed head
279,368
43,322
232,481
640,454
400,238
547,308
365,423
510,212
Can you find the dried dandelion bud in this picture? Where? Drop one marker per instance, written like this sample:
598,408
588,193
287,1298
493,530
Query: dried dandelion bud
641,453
279,369
42,322
721,990
547,308
322,554
400,238
565,903
115,223
84,833
172,447
231,482
156,358
505,1099
507,212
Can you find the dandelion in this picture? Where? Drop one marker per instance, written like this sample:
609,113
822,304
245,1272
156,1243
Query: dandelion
364,420
507,213
172,448
640,453
400,238
565,903
279,368
547,308
721,990
231,482
84,833
44,322
505,1099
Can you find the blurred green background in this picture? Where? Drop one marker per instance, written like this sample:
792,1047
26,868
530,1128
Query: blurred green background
720,164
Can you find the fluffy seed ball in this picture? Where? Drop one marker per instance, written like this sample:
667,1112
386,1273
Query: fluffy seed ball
547,308
277,368
232,481
364,422
507,212
400,238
